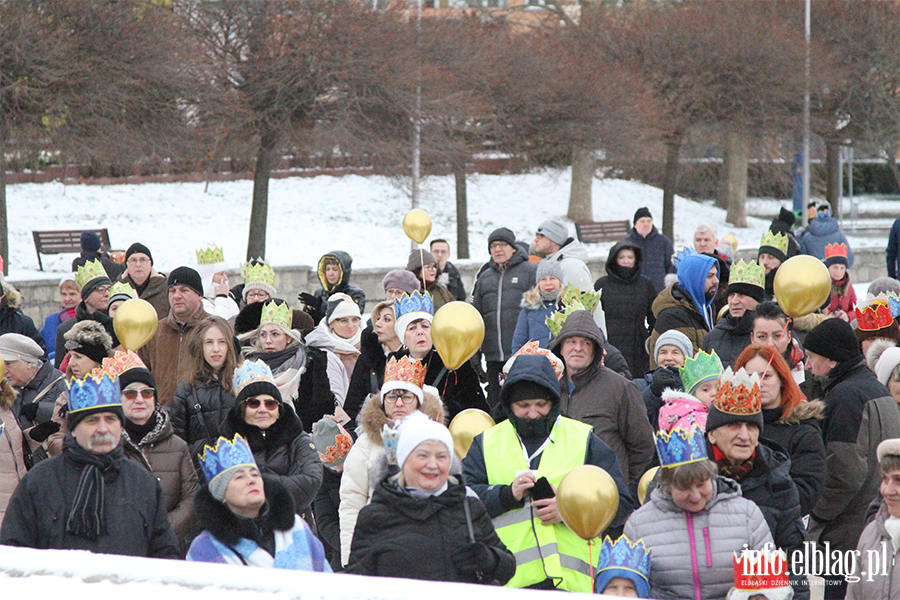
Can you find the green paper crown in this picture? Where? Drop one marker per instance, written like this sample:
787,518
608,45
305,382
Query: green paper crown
210,255
585,300
258,273
775,240
555,323
699,369
275,312
88,272
750,273
121,288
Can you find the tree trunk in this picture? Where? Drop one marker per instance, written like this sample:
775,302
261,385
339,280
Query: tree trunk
670,183
736,178
721,200
833,177
256,244
462,211
4,226
581,206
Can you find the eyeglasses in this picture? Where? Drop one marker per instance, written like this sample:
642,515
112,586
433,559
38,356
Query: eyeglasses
146,394
137,261
257,296
496,245
406,397
255,402
430,267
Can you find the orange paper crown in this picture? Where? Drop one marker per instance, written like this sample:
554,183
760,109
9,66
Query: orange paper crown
405,371
738,393
835,249
762,570
122,361
874,317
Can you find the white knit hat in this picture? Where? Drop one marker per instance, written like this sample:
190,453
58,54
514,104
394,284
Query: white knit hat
341,305
886,364
418,428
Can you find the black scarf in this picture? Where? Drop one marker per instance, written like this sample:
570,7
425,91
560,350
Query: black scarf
530,429
86,517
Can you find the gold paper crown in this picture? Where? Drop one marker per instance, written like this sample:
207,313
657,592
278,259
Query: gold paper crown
584,300
121,288
738,393
835,250
122,361
278,313
210,255
405,370
749,273
260,272
775,240
88,272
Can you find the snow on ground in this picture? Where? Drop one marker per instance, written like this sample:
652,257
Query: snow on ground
311,216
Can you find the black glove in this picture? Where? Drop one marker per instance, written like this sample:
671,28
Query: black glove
29,411
41,432
476,557
312,303
665,377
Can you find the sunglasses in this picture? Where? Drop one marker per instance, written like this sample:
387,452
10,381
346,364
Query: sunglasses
146,394
255,402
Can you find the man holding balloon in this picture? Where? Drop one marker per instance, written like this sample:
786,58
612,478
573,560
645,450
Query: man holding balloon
517,467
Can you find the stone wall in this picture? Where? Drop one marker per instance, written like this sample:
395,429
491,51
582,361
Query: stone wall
42,298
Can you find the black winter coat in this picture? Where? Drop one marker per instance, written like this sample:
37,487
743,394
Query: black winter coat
13,320
498,296
401,536
455,285
627,301
197,413
459,390
368,374
46,377
343,286
801,436
284,451
328,523
729,337
136,523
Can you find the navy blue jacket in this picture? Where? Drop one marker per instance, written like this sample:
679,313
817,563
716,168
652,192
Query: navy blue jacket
657,251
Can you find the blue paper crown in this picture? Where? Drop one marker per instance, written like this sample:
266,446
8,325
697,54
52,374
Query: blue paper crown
627,559
681,446
415,303
682,253
894,303
226,455
251,372
94,391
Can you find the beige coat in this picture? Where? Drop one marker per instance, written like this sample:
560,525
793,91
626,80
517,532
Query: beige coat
167,357
12,461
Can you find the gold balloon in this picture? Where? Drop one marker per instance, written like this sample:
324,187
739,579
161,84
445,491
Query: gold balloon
2,367
465,426
135,323
802,285
457,332
644,483
587,499
417,225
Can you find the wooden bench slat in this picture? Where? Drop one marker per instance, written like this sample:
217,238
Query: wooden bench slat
59,242
602,231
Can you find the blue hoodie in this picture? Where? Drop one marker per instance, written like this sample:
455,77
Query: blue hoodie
692,274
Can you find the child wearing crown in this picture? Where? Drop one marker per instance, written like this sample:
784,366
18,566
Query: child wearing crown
843,296
623,569
700,377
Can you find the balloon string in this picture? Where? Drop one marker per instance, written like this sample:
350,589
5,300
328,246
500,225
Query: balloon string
591,559
447,382
422,268
780,337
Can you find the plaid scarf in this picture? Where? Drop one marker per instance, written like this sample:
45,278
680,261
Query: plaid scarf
736,472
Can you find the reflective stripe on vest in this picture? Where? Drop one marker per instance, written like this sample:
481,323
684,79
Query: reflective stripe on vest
557,549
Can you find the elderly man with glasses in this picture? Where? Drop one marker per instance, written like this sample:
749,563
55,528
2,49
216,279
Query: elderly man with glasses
147,281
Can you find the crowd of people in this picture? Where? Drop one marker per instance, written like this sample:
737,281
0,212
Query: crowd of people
252,430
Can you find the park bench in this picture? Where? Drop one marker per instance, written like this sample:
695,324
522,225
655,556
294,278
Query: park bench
59,242
602,231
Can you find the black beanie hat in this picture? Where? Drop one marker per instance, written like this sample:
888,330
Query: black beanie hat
138,248
188,277
747,289
255,389
74,418
787,216
527,390
835,340
502,234
136,374
641,213
90,241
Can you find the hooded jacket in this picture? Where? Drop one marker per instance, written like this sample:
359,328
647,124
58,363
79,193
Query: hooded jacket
693,553
657,251
343,284
606,401
532,323
875,538
396,534
859,414
729,337
13,320
156,291
676,307
627,300
800,434
820,233
362,462
498,296
284,452
12,460
573,257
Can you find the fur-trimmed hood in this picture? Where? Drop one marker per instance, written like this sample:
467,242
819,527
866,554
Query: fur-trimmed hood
7,394
372,418
814,409
532,300
11,297
879,345
90,333
216,518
